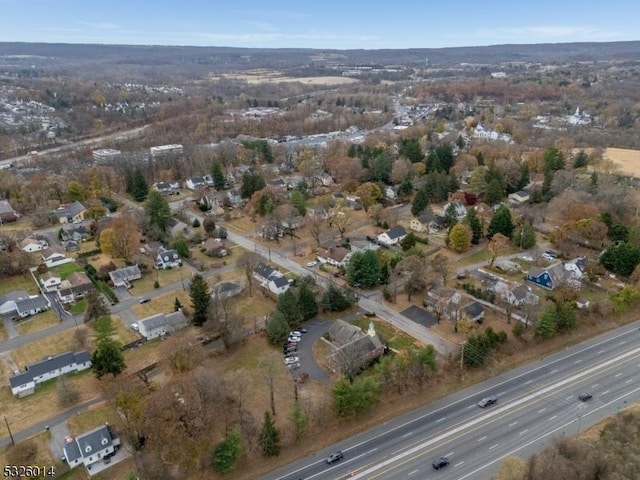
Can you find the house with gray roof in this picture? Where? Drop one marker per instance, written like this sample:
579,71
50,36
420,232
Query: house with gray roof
74,287
32,306
91,447
9,299
7,213
24,383
353,349
124,276
393,236
70,213
167,258
270,278
161,324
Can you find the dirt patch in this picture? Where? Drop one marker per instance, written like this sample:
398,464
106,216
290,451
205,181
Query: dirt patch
627,160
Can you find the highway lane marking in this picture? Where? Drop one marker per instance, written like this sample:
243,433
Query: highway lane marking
617,375
542,409
528,382
553,418
513,423
577,361
470,407
501,393
482,438
459,463
372,450
407,435
413,473
493,446
629,381
441,419
622,342
600,352
547,434
570,398
615,360
595,385
554,370
605,392
524,431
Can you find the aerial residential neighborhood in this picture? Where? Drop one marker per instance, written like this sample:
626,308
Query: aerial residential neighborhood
318,262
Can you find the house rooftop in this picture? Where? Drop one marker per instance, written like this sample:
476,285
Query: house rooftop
47,365
172,321
396,232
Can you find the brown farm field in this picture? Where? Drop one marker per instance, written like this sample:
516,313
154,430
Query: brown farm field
273,76
627,160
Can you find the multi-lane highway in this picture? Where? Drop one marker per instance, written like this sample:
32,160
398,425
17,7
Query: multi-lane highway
536,403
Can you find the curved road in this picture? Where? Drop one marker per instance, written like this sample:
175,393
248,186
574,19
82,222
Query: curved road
535,403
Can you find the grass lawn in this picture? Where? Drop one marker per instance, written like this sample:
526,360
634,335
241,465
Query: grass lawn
96,416
141,357
19,282
37,322
483,255
165,277
78,307
162,304
395,338
121,332
3,333
52,345
252,308
212,262
67,269
42,458
242,224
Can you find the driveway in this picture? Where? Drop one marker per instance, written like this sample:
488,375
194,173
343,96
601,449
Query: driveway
316,328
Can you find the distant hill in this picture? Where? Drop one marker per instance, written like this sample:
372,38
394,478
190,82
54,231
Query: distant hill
197,60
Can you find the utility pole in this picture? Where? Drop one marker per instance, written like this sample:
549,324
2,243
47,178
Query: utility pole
8,428
462,356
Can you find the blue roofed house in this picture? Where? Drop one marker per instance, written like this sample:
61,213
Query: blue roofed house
91,447
548,277
24,383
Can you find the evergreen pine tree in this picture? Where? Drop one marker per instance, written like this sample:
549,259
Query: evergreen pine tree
218,176
269,437
475,224
200,298
420,202
307,302
501,223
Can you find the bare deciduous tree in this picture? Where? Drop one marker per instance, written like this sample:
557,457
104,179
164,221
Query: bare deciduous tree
245,264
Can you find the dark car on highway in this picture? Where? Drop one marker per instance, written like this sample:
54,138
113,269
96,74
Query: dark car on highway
486,401
585,397
335,457
440,463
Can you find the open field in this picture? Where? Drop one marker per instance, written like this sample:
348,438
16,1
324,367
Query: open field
37,322
271,76
161,304
165,277
627,160
95,416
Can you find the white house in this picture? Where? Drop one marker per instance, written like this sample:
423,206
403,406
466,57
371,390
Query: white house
270,278
123,276
24,383
363,246
278,285
8,300
31,245
160,324
32,306
194,183
336,256
459,210
167,258
91,447
520,197
392,236
53,256
50,281
74,287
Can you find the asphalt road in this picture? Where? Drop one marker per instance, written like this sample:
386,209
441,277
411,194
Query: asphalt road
536,403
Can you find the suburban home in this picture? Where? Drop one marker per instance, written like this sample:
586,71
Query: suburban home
70,213
393,236
292,223
53,256
516,295
214,247
552,276
167,188
353,349
223,290
234,197
24,383
353,202
79,233
195,183
8,300
473,312
444,302
32,306
176,228
161,324
31,245
279,185
336,256
459,210
270,278
520,197
50,281
70,246
124,276
576,267
436,224
74,287
418,225
363,246
272,229
390,192
91,447
7,213
325,179
167,258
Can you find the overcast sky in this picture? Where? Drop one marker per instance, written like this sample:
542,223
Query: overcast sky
341,24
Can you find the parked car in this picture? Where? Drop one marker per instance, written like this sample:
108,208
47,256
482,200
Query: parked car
290,360
144,300
335,457
585,397
294,339
135,326
303,330
312,264
486,401
295,333
440,463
